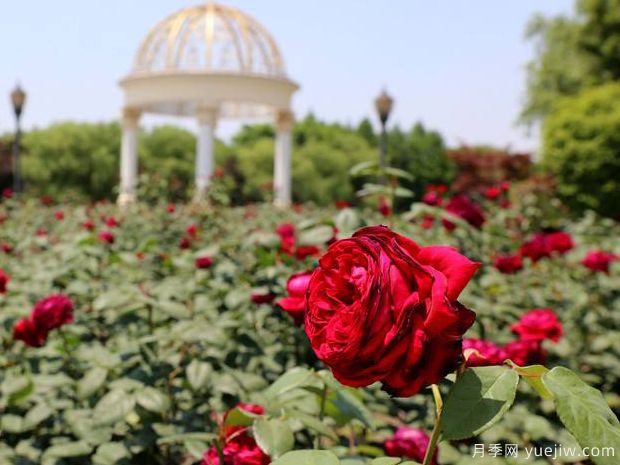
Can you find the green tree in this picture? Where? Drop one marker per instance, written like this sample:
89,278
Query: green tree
72,157
571,54
581,147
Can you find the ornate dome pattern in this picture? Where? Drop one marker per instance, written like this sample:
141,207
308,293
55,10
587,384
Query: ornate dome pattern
211,38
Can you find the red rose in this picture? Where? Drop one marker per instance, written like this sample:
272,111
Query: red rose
6,247
192,230
432,198
597,260
286,231
486,353
88,225
463,207
524,352
41,232
59,215
341,204
384,207
47,200
185,243
409,442
295,303
427,222
537,325
382,308
4,280
239,447
52,312
27,332
504,186
508,264
504,203
106,236
492,193
171,208
304,251
7,193
111,222
262,298
536,248
203,262
560,242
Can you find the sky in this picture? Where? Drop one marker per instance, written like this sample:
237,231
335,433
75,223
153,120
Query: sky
458,66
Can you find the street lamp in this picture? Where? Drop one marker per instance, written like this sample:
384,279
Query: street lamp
18,98
383,104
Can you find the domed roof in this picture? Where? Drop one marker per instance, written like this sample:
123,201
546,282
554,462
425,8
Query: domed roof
209,37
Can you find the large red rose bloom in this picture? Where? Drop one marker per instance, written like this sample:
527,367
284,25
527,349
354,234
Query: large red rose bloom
382,308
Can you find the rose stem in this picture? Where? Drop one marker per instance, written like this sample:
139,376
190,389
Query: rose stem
432,445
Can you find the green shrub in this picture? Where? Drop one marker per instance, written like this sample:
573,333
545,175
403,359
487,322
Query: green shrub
581,147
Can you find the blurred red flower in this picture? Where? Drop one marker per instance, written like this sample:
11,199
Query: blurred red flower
537,325
597,260
409,442
295,303
106,236
4,280
508,264
203,262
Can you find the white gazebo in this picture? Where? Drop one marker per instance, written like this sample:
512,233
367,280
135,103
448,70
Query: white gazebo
208,62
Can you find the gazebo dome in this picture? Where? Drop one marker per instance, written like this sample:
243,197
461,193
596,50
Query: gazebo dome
208,62
209,37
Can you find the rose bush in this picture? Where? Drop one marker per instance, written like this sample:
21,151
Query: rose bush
159,348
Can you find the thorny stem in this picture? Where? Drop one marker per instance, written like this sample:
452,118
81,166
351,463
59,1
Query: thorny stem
432,445
321,413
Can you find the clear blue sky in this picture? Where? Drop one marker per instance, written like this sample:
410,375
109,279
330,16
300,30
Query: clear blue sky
456,65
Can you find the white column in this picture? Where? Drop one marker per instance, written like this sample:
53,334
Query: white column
205,144
282,159
129,156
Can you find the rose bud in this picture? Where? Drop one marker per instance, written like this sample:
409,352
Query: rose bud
27,332
480,353
59,215
171,208
384,207
304,251
537,325
508,264
106,236
192,230
88,225
382,308
409,442
262,298
536,248
342,204
185,243
111,222
203,262
52,312
598,260
432,198
6,247
492,193
295,303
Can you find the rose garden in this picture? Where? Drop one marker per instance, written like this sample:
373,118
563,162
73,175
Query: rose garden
313,293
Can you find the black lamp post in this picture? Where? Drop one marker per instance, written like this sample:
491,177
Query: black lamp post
383,104
18,98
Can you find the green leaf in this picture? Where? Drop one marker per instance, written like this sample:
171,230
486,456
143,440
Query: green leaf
478,400
386,461
293,378
113,407
110,453
316,236
585,413
91,382
274,437
313,423
17,389
36,415
153,400
197,374
307,457
195,448
239,417
68,449
533,376
11,423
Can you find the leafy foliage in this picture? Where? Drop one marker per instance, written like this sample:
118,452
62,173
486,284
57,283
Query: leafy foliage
581,146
